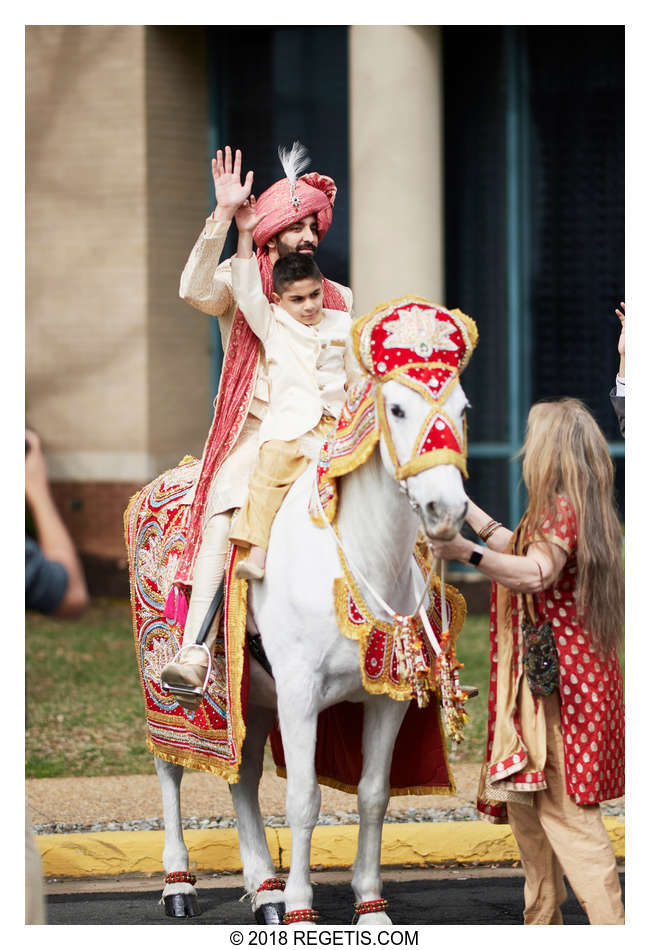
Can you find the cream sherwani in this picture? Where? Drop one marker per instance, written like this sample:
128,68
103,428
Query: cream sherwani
207,285
309,368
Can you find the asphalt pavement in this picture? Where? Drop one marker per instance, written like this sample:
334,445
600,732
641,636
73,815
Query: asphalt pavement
485,896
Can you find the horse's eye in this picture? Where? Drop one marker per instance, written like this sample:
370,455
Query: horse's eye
397,411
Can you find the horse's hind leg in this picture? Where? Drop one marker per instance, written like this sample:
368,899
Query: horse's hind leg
179,897
381,723
257,864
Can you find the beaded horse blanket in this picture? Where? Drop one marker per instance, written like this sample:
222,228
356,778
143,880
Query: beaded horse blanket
211,738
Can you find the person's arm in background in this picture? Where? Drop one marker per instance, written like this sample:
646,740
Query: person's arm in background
53,537
617,395
621,347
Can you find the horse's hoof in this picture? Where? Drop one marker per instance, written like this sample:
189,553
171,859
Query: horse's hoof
269,914
182,905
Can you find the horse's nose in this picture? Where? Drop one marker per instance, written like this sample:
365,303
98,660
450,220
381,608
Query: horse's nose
434,511
441,522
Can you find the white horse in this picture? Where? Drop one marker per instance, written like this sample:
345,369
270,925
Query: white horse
314,666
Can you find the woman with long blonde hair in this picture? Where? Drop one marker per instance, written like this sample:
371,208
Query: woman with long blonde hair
555,745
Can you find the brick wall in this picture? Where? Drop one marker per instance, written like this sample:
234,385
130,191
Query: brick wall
93,512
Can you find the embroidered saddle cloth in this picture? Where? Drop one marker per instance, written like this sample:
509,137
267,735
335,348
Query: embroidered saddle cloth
211,738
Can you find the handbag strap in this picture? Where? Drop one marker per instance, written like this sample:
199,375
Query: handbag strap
529,599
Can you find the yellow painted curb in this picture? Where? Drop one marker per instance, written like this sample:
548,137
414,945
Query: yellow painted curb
111,853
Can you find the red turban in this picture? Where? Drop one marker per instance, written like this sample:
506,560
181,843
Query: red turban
316,195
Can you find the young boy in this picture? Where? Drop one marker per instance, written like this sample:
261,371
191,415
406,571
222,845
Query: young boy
308,353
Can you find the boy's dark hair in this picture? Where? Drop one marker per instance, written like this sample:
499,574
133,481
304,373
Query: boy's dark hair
292,267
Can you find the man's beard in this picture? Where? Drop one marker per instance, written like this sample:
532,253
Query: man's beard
283,248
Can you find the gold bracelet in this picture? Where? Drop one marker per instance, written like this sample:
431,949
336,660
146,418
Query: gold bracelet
488,530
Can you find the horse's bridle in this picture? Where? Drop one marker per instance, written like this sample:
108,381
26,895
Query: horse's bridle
438,442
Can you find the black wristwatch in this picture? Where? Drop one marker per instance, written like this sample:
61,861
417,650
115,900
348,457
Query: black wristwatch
476,556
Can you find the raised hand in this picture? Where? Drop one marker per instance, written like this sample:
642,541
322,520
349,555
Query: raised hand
246,217
229,191
621,339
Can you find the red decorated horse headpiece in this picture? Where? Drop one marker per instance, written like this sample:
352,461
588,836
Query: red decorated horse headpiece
413,334
425,347
422,346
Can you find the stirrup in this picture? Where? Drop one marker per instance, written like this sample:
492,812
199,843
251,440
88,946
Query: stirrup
189,690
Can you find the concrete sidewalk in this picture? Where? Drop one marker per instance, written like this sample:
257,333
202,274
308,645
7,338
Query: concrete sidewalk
103,827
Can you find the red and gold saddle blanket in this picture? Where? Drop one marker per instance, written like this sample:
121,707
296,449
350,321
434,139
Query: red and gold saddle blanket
211,739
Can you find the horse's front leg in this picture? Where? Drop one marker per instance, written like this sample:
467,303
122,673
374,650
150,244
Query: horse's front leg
259,870
298,722
382,719
178,896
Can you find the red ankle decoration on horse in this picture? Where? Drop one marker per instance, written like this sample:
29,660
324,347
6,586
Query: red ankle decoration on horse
298,916
179,877
272,884
369,907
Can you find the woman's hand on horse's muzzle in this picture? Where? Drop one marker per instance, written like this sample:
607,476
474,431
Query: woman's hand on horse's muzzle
457,548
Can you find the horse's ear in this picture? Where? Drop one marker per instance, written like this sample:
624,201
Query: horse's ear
472,333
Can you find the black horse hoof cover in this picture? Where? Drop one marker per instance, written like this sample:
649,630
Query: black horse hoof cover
182,905
269,914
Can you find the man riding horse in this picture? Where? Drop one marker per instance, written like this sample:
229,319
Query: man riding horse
295,213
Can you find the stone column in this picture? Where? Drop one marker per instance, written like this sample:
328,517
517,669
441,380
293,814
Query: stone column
118,367
396,164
